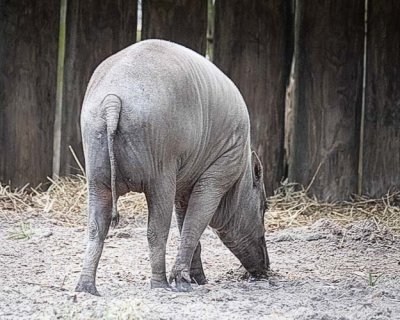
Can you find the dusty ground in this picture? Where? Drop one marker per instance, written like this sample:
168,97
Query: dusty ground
322,272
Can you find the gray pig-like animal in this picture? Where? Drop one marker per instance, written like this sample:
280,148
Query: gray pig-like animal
159,118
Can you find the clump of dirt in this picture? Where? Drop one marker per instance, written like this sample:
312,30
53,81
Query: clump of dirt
359,233
368,231
328,225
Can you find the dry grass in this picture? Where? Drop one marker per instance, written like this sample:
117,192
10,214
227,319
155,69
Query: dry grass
292,207
64,202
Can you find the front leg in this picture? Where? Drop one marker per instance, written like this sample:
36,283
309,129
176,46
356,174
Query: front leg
196,267
202,205
160,200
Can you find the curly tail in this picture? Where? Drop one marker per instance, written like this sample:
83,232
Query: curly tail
111,109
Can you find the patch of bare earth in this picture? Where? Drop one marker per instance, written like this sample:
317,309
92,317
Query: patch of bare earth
322,268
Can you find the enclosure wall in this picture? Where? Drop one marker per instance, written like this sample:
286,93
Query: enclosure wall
95,30
183,21
381,165
28,68
252,46
328,94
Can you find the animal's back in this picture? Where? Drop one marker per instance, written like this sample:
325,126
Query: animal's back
177,108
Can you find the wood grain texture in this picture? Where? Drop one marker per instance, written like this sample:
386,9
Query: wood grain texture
28,64
328,95
180,21
252,46
95,30
381,165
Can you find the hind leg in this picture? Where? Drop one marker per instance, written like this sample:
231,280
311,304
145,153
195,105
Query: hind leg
160,199
99,208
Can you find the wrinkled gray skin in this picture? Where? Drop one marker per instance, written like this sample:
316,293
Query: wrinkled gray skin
158,118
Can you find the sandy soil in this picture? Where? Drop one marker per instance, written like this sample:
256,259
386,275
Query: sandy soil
321,272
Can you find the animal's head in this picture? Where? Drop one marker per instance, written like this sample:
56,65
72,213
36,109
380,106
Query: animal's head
246,239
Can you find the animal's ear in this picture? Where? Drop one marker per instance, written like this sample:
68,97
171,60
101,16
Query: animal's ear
257,167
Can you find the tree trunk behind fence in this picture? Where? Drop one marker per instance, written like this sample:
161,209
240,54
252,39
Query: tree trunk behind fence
95,30
183,21
381,165
252,46
28,68
328,94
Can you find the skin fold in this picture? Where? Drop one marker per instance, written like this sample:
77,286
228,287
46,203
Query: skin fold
158,118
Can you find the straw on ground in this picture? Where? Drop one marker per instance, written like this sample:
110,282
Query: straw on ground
64,202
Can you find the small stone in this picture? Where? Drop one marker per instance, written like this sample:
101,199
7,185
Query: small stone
73,297
283,237
124,235
315,237
47,234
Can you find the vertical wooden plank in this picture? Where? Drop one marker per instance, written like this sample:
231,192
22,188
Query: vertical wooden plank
95,30
28,64
252,46
381,167
328,94
182,21
210,29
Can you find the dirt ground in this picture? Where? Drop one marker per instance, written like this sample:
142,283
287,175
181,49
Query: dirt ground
321,272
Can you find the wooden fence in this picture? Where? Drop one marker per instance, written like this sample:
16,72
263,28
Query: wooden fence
346,101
